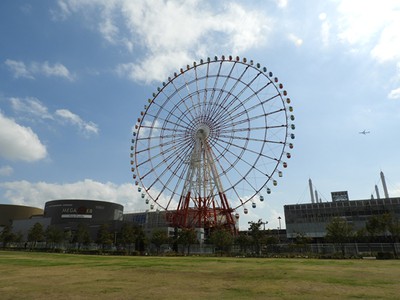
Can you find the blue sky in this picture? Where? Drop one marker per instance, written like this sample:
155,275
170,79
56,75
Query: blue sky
74,76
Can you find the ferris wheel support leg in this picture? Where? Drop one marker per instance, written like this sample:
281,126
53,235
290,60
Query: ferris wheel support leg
180,217
227,212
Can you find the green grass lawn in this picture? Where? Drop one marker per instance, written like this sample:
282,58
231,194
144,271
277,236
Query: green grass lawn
30,275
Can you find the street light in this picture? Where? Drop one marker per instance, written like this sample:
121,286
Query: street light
263,223
279,229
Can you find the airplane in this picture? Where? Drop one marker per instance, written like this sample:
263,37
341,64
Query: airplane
364,132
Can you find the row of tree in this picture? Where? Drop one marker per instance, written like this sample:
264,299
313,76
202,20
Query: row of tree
130,237
382,228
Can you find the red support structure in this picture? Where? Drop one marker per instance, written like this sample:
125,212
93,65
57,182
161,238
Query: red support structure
205,215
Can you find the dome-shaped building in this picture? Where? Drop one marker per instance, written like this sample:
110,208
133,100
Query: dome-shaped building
11,212
67,214
80,210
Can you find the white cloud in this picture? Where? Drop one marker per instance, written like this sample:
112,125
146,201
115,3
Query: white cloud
6,171
282,3
18,142
21,70
30,106
394,94
87,128
388,46
173,32
296,40
325,28
371,25
32,109
61,13
36,194
57,70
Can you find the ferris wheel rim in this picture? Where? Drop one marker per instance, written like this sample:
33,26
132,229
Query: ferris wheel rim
180,138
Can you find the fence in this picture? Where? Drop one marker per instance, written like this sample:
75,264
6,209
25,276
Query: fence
318,250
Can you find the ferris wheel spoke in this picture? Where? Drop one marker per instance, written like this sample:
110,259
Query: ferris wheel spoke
157,118
189,92
243,150
222,89
260,154
170,178
257,153
233,166
199,104
177,185
177,160
247,110
254,139
249,119
252,128
205,98
181,99
214,89
262,105
178,144
153,143
237,81
149,137
246,87
168,136
226,177
188,111
161,164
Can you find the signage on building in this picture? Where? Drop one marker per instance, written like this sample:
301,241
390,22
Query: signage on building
76,213
340,196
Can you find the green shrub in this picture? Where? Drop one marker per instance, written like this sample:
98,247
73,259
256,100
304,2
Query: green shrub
384,255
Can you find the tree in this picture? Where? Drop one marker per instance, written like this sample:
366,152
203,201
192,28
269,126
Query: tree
375,226
301,241
7,236
104,236
82,236
158,238
244,241
393,227
186,237
141,240
339,232
127,236
54,235
36,234
256,235
222,238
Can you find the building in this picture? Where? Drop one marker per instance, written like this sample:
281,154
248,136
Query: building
311,219
67,214
71,211
10,212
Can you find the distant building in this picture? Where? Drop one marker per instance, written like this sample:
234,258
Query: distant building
67,214
311,219
10,212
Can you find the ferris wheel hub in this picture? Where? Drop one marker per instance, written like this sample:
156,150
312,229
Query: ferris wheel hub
202,133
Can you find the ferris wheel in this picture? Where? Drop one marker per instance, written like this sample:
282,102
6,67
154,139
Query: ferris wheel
212,140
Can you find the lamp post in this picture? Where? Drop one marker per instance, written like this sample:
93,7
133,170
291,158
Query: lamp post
279,229
262,223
